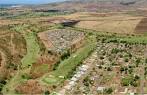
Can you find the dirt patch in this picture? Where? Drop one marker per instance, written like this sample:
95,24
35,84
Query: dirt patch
142,26
30,87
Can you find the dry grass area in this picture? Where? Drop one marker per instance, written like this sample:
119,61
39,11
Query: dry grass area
116,22
119,23
142,26
12,49
8,22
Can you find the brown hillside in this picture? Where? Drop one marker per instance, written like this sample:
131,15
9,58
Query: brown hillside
142,26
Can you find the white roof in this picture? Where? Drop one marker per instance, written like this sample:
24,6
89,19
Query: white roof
100,88
74,79
71,83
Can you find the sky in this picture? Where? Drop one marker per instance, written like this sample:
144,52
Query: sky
28,1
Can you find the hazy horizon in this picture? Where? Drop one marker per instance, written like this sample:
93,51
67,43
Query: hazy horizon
28,1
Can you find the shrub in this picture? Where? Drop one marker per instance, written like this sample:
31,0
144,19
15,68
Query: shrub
1,86
101,57
65,55
25,76
108,91
134,83
2,82
100,67
59,26
126,60
109,69
46,92
115,50
138,60
130,80
125,81
146,60
113,64
130,71
56,65
136,77
120,55
122,69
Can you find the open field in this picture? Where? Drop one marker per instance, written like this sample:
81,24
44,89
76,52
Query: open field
116,23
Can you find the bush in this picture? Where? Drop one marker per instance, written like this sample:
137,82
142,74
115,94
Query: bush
65,55
108,91
109,69
113,64
120,55
130,71
2,82
125,81
115,50
59,26
126,60
136,77
138,60
56,65
122,69
100,67
101,57
46,92
130,80
146,60
25,76
134,83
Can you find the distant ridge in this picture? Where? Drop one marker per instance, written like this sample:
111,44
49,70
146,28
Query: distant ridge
97,5
7,5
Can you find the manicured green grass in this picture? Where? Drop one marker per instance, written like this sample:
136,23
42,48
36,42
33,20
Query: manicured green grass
66,67
32,49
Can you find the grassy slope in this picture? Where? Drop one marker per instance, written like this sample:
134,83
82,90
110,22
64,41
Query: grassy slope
66,67
32,52
32,49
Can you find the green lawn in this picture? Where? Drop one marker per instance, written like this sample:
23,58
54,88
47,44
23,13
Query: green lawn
32,49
